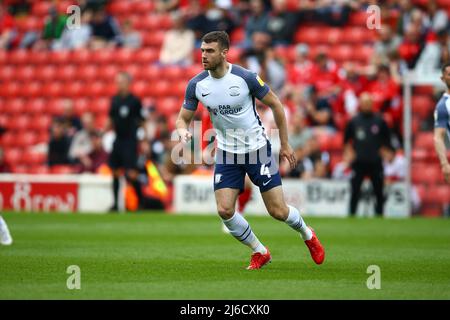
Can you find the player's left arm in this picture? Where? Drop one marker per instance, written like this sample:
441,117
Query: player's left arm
275,104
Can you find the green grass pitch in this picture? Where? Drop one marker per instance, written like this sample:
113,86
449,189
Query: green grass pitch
158,256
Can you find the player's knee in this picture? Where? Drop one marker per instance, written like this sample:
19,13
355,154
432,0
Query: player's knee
225,212
279,211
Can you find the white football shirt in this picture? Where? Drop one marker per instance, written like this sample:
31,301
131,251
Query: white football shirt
230,102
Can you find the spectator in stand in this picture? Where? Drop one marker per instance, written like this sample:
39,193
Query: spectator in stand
76,38
69,119
386,96
395,165
299,73
203,19
166,5
59,144
131,38
343,169
300,133
260,59
53,29
352,84
282,23
437,18
387,42
8,32
97,156
178,44
406,8
325,78
105,30
319,158
320,114
257,21
411,46
334,13
81,144
4,165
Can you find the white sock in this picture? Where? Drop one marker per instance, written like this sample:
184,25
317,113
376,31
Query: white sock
295,221
2,224
240,229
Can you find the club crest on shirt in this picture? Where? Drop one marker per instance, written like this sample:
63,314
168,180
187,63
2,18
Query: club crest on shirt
375,129
124,111
234,91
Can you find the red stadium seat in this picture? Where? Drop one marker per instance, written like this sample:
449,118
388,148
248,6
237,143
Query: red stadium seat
14,106
173,73
88,72
310,35
237,36
39,169
428,174
36,106
20,169
13,155
47,73
20,122
62,57
8,139
341,53
104,56
422,105
38,58
81,56
34,158
32,89
120,8
146,56
81,105
74,89
40,8
62,169
424,140
18,56
149,73
26,139
66,73
100,106
7,73
154,39
358,18
24,73
53,90
41,122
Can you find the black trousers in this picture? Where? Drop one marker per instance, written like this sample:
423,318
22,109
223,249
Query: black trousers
375,172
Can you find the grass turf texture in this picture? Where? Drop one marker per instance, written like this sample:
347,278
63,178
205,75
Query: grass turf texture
157,256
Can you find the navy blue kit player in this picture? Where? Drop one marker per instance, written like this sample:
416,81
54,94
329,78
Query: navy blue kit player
228,91
442,123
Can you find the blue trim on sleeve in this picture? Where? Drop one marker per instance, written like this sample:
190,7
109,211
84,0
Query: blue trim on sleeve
190,99
441,114
256,89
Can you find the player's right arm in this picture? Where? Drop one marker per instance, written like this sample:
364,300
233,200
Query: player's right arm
441,119
187,112
182,124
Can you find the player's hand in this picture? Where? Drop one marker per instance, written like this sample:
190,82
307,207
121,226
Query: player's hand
185,135
288,153
446,172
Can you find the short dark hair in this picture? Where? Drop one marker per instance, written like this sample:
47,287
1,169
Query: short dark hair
444,66
220,37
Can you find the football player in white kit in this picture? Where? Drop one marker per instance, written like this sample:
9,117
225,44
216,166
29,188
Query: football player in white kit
228,91
442,123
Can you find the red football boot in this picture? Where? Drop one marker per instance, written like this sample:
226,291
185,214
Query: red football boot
258,260
315,248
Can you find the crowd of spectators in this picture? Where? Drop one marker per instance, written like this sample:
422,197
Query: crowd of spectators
320,94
